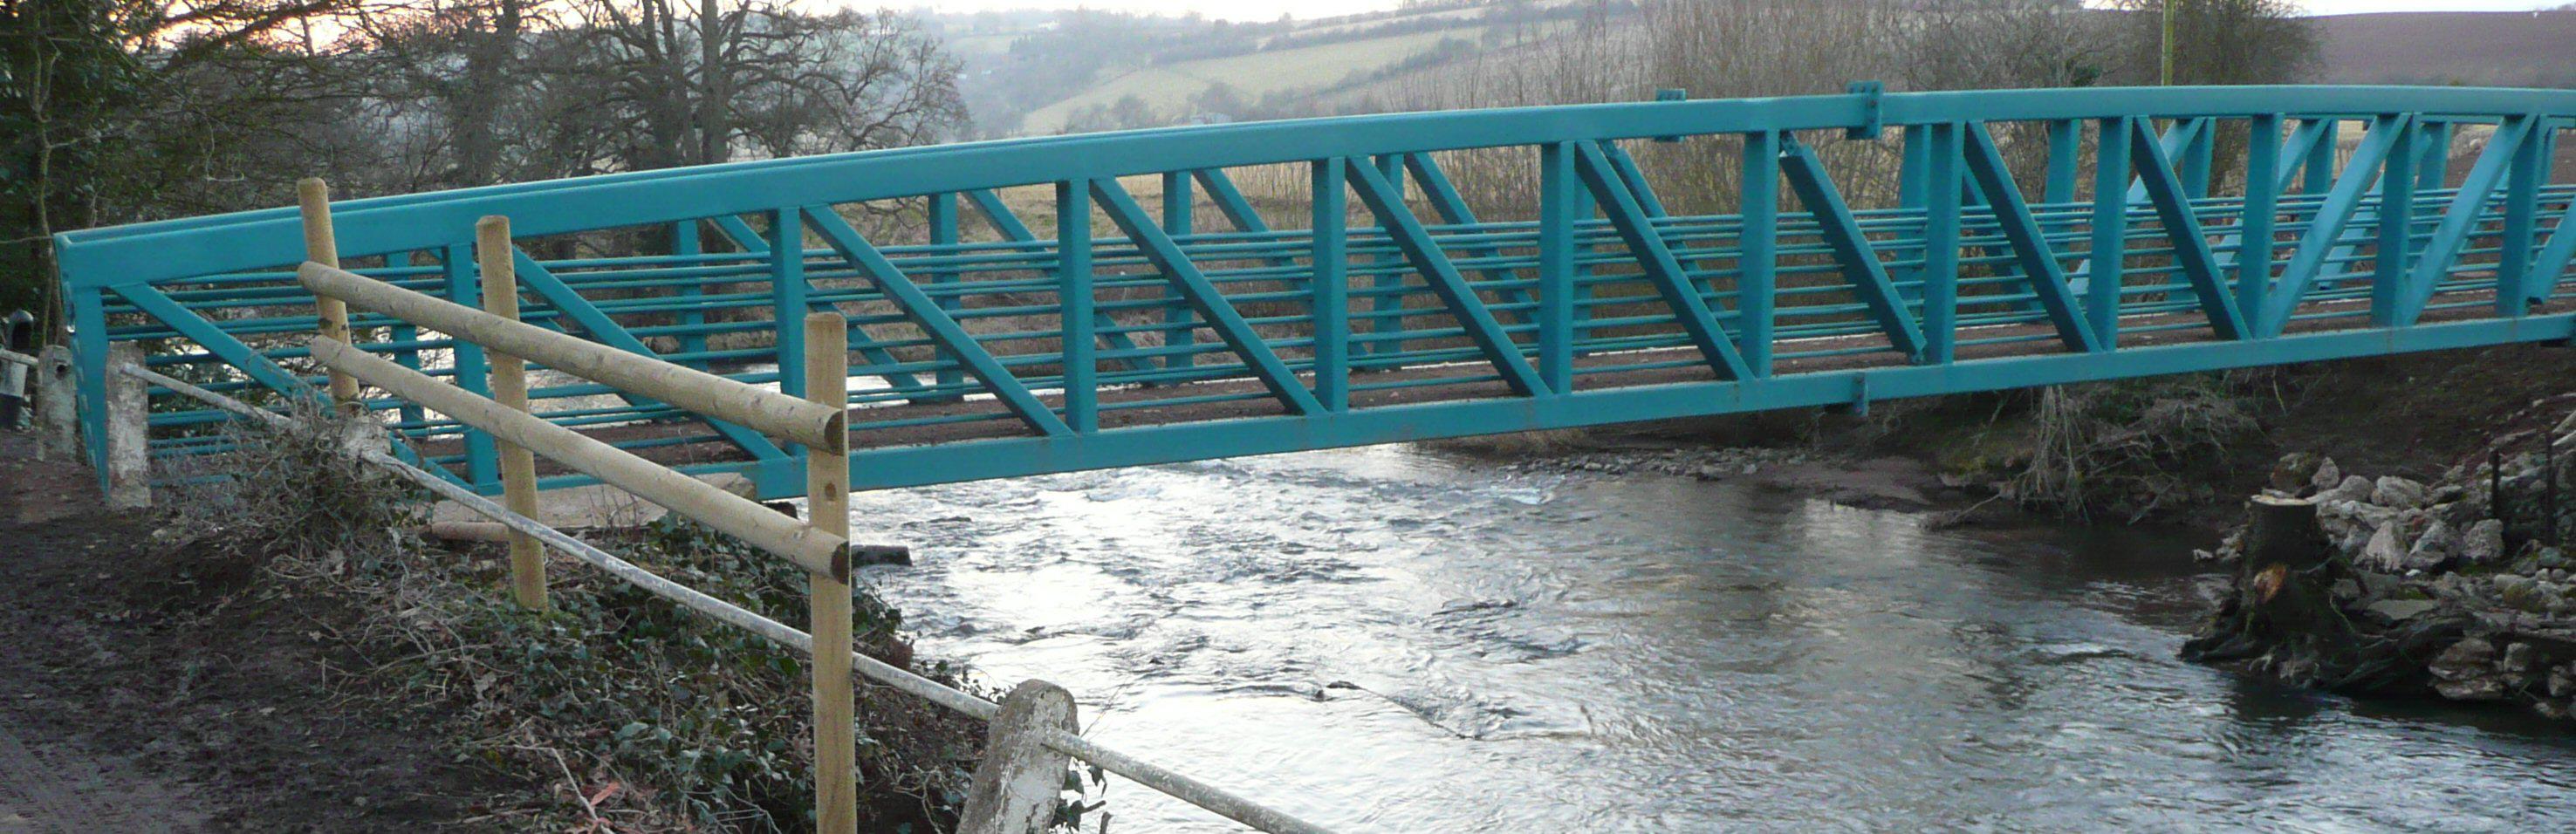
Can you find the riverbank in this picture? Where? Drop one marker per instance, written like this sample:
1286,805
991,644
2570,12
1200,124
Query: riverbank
144,692
280,648
2486,617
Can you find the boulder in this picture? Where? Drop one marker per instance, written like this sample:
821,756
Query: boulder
2466,672
2383,553
2436,546
2292,473
2401,610
2483,543
2393,491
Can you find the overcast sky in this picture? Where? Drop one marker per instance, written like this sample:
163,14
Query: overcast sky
1271,9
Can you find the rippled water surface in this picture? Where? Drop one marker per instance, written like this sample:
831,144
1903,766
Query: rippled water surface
1388,640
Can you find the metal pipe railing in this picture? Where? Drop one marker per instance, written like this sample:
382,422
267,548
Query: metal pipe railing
1179,786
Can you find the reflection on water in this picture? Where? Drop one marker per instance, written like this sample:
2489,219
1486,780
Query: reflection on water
1380,639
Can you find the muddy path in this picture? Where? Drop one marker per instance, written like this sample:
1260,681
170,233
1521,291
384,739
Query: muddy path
140,692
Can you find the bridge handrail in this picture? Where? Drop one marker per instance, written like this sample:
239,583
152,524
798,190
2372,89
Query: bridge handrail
169,250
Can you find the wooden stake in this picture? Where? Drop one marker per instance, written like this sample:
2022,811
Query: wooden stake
493,252
827,502
314,197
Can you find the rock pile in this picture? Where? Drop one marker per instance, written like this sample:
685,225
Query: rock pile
2390,586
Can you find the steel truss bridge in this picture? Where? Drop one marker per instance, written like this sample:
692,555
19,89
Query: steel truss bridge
1331,282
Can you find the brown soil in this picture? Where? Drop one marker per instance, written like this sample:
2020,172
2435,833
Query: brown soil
142,694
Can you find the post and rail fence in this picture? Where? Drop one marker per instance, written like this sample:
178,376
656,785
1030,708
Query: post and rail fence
1033,737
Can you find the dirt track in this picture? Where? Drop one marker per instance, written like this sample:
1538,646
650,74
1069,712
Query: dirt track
139,692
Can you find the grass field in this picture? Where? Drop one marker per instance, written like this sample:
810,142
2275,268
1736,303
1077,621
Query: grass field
1169,88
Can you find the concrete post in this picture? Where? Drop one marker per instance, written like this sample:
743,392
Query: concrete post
1016,785
129,419
57,405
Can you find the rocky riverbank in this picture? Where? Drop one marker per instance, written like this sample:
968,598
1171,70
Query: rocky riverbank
2459,588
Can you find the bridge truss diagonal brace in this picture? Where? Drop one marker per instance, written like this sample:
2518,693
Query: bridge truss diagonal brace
867,346
1453,210
1008,223
2326,228
2039,265
251,362
1212,305
2463,215
607,331
1382,200
2182,228
926,313
1860,264
1611,193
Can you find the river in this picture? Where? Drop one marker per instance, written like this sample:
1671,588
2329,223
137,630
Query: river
1389,639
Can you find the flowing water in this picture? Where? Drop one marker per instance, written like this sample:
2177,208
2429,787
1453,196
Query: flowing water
1389,640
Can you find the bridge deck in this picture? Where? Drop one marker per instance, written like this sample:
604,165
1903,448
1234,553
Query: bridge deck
2353,318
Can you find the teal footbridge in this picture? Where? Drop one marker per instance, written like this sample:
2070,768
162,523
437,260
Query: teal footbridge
1017,308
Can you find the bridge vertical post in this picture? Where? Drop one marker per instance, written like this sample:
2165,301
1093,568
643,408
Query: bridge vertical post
1386,296
1073,298
1331,307
2108,260
686,241
2262,200
1915,163
1179,221
2065,147
89,355
2198,153
473,373
827,598
313,200
497,258
1557,203
408,335
2318,174
1757,248
1942,193
2396,228
2433,166
941,213
2521,221
788,293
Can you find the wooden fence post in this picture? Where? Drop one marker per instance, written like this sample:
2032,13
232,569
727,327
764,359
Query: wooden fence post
494,253
313,197
1017,783
129,436
57,405
827,502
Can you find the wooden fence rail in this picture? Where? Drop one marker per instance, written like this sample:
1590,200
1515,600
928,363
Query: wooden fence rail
1016,790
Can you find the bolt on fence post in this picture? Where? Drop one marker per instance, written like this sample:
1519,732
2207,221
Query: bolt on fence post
57,406
493,253
827,504
129,435
313,199
1015,787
